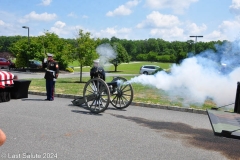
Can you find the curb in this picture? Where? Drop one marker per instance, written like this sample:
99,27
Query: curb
174,108
148,105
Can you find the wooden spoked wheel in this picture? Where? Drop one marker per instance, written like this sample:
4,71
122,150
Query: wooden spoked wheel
96,95
123,95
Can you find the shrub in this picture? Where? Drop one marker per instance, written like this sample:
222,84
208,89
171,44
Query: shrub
141,57
21,61
69,69
158,70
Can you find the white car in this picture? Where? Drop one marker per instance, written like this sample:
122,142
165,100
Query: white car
148,69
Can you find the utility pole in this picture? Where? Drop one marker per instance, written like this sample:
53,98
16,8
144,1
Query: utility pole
195,42
28,33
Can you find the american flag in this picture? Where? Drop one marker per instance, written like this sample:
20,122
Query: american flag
6,79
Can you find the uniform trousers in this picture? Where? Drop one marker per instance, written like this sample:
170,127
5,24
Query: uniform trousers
50,88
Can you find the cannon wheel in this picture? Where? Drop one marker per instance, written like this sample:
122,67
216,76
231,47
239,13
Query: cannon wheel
124,95
96,95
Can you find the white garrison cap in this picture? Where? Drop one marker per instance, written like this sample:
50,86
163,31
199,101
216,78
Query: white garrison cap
96,60
49,55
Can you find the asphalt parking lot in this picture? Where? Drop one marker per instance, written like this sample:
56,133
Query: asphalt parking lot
58,129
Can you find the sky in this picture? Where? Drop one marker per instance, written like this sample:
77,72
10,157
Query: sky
170,20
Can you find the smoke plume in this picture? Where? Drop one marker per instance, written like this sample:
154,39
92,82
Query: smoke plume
210,74
106,53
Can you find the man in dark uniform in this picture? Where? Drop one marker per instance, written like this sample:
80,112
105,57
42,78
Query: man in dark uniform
51,75
97,71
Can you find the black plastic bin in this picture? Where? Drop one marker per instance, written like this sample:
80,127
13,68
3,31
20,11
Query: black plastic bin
20,89
5,94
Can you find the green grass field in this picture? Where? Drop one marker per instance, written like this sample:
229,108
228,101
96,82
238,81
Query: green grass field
144,94
125,68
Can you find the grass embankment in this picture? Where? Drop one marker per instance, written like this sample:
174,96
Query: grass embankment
144,94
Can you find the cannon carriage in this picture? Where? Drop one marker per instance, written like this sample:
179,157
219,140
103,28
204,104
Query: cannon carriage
97,94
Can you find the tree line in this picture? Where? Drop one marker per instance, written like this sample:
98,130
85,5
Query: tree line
83,49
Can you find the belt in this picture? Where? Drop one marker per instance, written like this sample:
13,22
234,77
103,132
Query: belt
50,71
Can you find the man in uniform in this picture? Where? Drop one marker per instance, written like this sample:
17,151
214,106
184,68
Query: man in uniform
51,75
97,71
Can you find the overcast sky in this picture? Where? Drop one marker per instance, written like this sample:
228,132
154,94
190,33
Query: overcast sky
170,20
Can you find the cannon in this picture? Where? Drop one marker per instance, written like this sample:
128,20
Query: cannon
97,94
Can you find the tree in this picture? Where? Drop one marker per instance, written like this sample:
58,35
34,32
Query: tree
122,55
152,56
153,45
6,55
114,39
180,56
130,47
162,46
51,43
142,57
24,51
164,58
199,47
104,40
6,42
85,50
136,49
38,47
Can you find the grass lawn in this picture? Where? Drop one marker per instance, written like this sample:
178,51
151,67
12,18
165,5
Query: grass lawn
144,94
126,68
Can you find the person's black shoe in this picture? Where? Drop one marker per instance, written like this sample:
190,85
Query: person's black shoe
47,99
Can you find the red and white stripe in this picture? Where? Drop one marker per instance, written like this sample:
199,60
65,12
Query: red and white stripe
6,78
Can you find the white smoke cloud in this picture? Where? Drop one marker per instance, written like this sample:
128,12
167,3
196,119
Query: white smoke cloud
201,77
106,53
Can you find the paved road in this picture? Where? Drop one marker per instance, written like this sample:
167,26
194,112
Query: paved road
38,128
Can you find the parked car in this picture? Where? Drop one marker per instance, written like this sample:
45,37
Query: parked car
4,63
148,69
35,64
